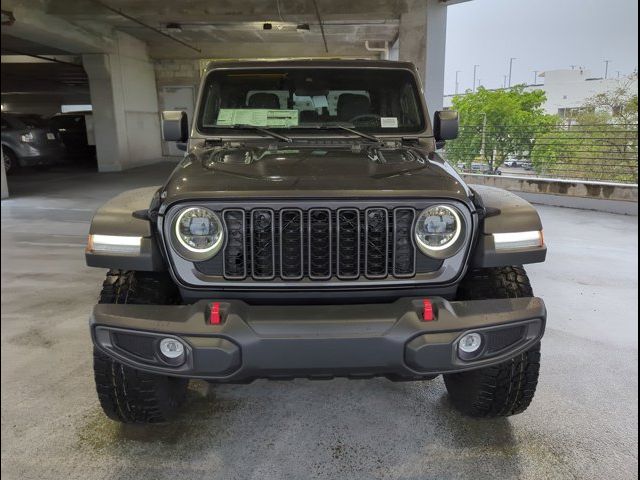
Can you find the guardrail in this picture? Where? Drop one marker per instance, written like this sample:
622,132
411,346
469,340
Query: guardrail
604,152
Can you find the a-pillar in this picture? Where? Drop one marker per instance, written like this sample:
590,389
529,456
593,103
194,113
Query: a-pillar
422,41
124,97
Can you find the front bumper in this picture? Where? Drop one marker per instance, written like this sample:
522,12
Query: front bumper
321,341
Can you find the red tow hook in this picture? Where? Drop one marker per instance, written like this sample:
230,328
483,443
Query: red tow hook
214,314
427,310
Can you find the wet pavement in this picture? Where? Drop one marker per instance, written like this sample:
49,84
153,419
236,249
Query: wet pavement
583,422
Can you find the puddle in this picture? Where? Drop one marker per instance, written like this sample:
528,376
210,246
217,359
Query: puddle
32,338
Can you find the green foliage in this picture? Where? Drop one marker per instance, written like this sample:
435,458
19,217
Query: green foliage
497,124
599,143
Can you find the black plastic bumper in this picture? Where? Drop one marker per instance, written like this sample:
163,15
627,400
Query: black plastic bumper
318,341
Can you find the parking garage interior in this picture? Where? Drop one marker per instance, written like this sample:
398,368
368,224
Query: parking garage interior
126,61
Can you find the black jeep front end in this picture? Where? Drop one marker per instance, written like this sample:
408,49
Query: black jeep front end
315,255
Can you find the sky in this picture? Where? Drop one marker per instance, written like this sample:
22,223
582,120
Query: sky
541,35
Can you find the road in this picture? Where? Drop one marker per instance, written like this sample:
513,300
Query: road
583,422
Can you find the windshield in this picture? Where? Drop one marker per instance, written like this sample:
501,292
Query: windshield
371,100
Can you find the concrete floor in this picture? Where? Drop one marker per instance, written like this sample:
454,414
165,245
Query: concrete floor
582,424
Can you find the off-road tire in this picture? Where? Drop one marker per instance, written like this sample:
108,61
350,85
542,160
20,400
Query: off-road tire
126,394
507,388
131,396
146,288
499,282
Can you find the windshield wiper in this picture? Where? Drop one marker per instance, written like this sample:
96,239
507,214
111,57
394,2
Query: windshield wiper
265,131
337,126
373,138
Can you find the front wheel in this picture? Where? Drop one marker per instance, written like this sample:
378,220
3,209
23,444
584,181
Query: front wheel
509,387
131,396
10,161
126,394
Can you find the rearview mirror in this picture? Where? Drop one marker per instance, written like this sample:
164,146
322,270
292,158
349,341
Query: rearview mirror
445,125
175,126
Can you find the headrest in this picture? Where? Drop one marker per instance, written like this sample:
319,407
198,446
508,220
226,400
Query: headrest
351,105
264,100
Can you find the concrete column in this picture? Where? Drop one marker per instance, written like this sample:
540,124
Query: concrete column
125,105
394,51
4,187
423,35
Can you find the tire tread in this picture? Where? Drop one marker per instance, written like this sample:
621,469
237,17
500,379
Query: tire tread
509,387
128,395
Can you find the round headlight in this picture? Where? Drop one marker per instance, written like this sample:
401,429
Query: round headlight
439,231
198,232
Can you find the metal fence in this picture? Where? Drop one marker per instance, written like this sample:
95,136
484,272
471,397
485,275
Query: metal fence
605,152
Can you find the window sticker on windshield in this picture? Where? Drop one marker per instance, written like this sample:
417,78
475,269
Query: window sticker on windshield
388,122
257,117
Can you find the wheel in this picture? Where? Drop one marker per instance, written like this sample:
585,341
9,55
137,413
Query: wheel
509,387
147,288
131,396
9,160
126,394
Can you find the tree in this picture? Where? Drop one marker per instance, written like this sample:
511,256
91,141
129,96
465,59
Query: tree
619,105
600,142
497,124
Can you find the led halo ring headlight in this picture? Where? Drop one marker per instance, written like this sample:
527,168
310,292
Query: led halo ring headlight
439,231
197,233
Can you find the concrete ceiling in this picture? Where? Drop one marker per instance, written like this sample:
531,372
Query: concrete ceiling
233,28
22,75
34,85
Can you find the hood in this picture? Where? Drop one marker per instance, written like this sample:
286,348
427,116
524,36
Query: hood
304,172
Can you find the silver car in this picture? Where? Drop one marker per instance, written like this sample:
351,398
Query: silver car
28,141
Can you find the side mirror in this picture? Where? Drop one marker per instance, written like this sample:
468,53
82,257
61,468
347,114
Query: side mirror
181,146
175,126
445,125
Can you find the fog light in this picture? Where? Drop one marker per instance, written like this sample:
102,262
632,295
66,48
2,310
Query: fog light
470,343
172,350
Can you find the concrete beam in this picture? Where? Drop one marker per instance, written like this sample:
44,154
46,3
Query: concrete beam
49,59
199,11
34,25
422,41
221,50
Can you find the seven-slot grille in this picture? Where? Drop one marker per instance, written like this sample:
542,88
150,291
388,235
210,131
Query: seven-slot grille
319,243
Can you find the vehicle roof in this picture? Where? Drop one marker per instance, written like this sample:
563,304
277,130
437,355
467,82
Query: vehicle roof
310,62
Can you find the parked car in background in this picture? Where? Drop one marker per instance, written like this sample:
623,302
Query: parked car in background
477,167
76,132
28,141
511,162
527,166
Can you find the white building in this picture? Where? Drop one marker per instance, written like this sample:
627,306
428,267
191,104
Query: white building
567,90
